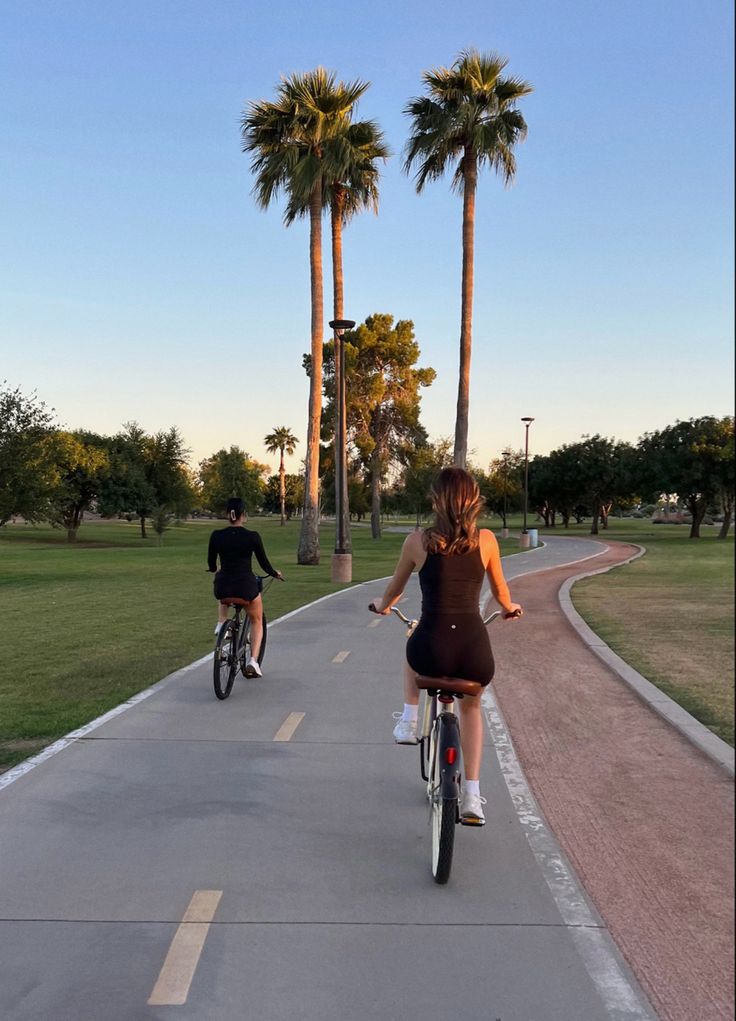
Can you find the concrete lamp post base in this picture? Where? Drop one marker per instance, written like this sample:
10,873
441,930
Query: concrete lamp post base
342,567
504,533
524,540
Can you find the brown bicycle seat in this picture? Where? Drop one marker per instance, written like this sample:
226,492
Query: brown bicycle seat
235,601
453,685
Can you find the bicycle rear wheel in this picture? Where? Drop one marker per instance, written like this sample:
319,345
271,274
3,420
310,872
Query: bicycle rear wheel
443,816
225,661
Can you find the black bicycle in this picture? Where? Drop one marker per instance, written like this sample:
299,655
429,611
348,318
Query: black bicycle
233,646
441,756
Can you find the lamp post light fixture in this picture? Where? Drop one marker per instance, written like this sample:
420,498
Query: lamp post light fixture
525,532
342,558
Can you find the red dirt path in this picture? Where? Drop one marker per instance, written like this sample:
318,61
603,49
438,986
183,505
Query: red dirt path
645,818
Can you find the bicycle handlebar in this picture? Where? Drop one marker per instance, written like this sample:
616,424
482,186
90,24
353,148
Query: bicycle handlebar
413,623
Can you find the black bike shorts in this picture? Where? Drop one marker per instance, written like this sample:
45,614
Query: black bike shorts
240,585
451,645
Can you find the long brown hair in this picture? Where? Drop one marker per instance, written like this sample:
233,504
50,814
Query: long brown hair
456,502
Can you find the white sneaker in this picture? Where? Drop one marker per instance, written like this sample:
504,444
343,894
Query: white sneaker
405,731
252,669
471,813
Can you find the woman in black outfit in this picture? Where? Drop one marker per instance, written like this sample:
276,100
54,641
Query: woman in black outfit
235,546
452,557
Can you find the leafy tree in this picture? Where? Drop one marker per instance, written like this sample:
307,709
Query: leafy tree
693,459
603,469
422,464
382,387
298,147
293,495
283,440
79,459
160,521
503,486
468,119
26,468
231,473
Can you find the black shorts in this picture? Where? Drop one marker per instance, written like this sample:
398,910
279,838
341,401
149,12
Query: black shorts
451,645
243,585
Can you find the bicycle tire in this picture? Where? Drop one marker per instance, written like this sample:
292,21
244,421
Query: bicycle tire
444,818
225,662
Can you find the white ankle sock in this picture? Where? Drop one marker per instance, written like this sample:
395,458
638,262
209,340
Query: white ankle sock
410,714
472,787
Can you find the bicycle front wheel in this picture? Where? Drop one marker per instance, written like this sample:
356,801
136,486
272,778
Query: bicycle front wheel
225,661
444,817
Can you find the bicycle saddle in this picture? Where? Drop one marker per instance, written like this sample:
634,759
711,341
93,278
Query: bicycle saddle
453,685
235,601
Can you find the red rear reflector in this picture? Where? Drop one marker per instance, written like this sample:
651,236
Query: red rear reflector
450,756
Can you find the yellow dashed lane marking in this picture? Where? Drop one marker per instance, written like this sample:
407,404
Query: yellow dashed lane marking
175,977
341,656
374,623
287,728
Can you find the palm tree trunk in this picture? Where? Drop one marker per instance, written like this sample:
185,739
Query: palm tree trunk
470,180
282,487
309,537
341,477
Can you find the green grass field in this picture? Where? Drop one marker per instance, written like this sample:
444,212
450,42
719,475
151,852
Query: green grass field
87,626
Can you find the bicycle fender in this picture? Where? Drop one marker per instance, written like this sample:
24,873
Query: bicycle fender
449,740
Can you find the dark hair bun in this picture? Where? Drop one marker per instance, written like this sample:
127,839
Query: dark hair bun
235,508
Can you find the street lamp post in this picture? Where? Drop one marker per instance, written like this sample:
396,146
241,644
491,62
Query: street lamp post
524,542
342,558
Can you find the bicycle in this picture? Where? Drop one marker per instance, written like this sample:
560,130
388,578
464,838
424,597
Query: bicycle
232,645
441,756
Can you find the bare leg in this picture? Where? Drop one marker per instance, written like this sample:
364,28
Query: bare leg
411,691
254,609
471,735
221,613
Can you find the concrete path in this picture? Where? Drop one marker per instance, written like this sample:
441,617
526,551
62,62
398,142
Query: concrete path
268,858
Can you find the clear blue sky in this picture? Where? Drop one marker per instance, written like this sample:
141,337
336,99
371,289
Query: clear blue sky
139,281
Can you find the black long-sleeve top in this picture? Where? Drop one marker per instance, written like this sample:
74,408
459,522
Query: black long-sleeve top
235,547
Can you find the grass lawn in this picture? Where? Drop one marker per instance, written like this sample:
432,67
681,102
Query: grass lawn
670,615
86,626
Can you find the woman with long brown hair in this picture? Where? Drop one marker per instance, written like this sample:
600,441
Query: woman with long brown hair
452,557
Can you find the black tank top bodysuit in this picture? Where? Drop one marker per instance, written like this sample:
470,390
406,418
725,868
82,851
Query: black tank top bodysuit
451,639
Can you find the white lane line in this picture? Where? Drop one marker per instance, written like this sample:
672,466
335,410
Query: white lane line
175,977
374,623
341,656
619,994
287,728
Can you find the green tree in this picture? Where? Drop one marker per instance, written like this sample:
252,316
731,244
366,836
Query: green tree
693,459
80,460
26,468
604,472
503,486
422,463
297,148
468,119
231,473
383,400
283,440
293,495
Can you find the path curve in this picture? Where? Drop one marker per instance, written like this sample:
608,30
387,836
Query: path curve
646,820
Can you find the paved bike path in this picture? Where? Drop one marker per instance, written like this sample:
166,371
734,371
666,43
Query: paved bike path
319,846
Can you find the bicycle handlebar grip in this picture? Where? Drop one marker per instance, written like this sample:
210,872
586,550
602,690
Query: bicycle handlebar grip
372,607
514,615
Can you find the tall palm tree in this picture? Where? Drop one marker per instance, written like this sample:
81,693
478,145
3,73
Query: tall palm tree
353,158
469,117
291,142
283,440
